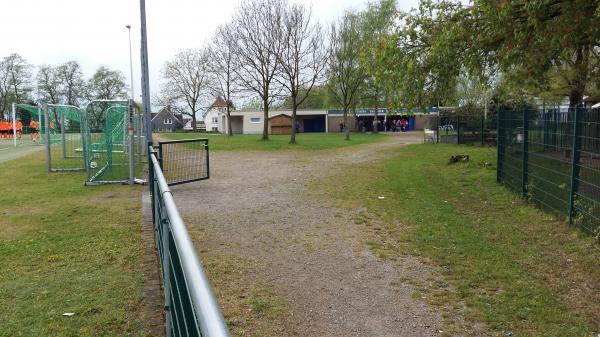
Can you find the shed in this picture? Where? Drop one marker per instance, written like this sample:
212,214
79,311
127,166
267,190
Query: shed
280,125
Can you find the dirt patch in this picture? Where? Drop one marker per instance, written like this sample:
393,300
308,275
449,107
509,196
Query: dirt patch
315,257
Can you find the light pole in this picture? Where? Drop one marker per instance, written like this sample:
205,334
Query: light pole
130,63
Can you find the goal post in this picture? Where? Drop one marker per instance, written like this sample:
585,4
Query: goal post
110,139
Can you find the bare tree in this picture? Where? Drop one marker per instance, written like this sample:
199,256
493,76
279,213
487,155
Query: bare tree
257,33
15,80
302,58
221,58
72,85
186,81
346,76
48,84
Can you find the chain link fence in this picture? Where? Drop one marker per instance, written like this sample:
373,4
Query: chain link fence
552,157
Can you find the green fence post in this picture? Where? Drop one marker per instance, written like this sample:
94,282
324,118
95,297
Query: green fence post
525,176
500,146
575,154
482,128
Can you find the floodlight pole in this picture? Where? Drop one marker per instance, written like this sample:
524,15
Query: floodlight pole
130,63
14,123
145,77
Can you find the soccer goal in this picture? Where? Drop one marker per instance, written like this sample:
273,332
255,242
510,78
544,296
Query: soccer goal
62,126
112,142
21,127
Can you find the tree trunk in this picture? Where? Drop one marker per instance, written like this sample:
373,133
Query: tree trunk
265,135
346,128
375,122
294,108
581,69
194,122
229,129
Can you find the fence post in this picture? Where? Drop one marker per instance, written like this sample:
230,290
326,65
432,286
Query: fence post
48,142
438,125
500,145
482,128
457,129
575,154
525,176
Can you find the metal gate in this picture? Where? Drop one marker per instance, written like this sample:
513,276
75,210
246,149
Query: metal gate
184,161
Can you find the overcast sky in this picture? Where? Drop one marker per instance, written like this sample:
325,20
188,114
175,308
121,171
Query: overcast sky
93,32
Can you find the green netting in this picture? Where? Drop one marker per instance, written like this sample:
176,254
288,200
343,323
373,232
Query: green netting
65,149
107,142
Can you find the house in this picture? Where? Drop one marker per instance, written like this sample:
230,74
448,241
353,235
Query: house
167,121
279,121
215,117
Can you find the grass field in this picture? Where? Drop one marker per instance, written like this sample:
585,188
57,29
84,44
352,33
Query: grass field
65,248
305,141
501,262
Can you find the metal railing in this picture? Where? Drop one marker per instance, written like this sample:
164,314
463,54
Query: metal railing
190,306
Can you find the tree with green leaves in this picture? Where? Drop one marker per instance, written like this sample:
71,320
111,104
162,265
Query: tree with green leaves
346,75
107,84
104,84
536,42
377,23
72,84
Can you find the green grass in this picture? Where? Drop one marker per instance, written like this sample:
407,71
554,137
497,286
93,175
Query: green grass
507,264
68,248
305,141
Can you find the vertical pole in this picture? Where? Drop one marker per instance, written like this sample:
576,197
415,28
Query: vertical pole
438,124
525,158
139,136
482,128
500,146
48,142
62,135
131,120
166,266
39,130
207,160
145,76
130,64
575,155
14,123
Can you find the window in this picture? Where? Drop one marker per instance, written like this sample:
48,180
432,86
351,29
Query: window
254,119
168,121
215,120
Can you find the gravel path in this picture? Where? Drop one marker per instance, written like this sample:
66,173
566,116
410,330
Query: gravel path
255,205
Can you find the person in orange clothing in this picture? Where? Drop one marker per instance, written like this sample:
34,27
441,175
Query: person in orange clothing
4,129
19,127
33,130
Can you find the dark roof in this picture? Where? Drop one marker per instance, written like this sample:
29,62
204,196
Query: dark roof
166,109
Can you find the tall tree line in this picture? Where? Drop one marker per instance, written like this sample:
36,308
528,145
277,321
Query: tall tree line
21,82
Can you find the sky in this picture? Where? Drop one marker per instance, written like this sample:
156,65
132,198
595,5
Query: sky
48,32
